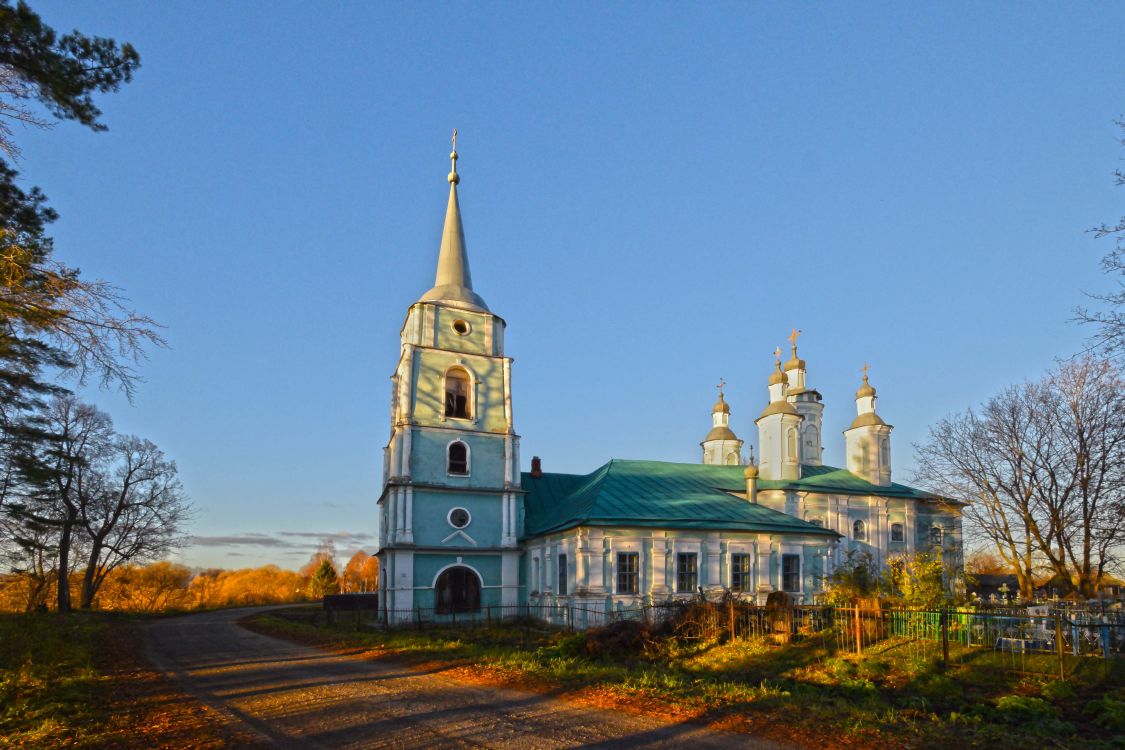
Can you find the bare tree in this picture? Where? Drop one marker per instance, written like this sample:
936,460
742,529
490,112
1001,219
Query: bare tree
15,95
133,512
113,499
1109,321
1043,468
62,475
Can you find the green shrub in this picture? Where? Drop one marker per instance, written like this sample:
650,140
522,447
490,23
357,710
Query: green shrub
1021,708
1031,712
1108,713
937,690
571,646
1058,690
841,669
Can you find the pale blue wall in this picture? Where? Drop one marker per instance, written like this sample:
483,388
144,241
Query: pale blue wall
426,567
431,525
428,458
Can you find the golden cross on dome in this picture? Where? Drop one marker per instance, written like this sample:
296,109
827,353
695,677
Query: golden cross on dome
793,338
777,353
865,368
454,178
720,387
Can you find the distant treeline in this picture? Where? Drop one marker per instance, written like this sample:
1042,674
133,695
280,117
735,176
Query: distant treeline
164,586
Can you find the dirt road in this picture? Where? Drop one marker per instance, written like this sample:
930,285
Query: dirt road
294,696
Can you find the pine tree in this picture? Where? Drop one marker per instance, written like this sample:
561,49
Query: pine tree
324,581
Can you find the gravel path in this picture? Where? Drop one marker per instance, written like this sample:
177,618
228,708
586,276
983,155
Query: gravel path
293,696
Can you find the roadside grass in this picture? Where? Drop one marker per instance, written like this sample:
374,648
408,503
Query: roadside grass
896,694
77,681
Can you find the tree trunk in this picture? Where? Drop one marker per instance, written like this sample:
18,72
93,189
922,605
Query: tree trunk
63,599
89,580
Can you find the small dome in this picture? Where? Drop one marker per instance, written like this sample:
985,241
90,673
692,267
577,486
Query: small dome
794,363
720,406
722,432
865,390
779,407
778,377
751,472
870,419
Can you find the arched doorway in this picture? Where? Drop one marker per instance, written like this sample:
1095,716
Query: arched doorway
457,590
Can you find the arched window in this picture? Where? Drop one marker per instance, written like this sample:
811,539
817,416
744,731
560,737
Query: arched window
885,452
812,438
897,533
457,458
457,393
792,445
937,536
732,459
457,589
859,531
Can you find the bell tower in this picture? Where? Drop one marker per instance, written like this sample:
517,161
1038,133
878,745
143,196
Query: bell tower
451,505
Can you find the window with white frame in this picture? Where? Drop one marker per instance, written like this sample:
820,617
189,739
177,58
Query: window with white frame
897,533
741,572
937,536
562,574
457,458
687,572
859,531
791,573
628,567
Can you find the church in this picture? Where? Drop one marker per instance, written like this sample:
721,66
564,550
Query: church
462,529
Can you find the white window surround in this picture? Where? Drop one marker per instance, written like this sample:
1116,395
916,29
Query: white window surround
449,517
468,458
798,553
471,398
458,565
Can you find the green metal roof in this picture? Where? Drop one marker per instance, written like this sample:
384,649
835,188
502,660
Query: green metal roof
836,481
658,494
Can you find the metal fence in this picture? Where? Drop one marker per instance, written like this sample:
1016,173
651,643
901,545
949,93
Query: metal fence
1045,640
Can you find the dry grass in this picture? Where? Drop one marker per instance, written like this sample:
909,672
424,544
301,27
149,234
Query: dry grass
895,695
79,681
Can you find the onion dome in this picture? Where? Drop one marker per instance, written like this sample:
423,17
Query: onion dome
722,432
795,362
866,389
868,419
751,472
778,376
721,405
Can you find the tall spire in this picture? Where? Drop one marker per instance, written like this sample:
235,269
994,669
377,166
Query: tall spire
453,283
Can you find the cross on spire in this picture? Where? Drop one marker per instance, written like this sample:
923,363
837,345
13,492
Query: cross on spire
793,336
865,368
453,176
720,386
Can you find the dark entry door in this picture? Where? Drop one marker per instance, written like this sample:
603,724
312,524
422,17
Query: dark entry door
458,590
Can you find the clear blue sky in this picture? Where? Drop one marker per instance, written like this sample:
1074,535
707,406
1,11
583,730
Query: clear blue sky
653,194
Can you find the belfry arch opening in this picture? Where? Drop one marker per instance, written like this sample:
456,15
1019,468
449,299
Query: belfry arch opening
457,589
457,393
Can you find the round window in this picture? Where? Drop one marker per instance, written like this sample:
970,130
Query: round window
461,327
459,518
